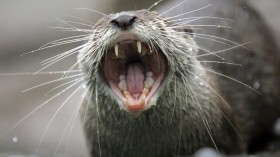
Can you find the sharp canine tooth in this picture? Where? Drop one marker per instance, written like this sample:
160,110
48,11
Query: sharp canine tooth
117,50
139,46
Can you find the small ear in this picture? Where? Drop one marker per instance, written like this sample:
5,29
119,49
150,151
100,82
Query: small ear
185,28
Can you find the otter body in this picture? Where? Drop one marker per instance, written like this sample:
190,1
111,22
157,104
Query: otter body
183,109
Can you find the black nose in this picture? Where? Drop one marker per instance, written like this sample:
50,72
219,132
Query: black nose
124,22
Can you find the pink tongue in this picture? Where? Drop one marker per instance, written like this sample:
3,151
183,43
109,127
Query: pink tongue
135,79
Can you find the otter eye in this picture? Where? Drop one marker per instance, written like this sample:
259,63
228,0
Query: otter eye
187,29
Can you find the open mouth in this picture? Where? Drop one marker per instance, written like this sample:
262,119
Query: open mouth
134,71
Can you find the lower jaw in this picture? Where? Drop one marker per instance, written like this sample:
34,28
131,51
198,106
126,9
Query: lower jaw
137,106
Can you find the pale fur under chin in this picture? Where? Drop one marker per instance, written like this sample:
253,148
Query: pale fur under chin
187,116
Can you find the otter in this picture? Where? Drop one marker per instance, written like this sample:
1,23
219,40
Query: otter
145,99
150,93
161,86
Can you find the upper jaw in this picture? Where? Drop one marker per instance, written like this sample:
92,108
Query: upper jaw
123,36
134,73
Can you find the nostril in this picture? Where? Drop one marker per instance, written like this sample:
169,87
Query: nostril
124,22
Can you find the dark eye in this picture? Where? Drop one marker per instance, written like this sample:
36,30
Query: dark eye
187,29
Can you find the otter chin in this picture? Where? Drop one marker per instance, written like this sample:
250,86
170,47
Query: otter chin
134,72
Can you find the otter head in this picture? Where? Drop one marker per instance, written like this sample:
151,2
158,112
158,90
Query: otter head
135,53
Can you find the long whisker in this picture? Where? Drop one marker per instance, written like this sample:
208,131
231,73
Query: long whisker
57,111
40,73
63,85
175,94
65,22
148,138
172,8
92,10
87,107
225,76
126,141
180,128
203,118
70,69
188,12
216,37
76,114
62,39
67,54
51,46
198,18
213,90
61,55
223,50
71,29
49,82
79,23
218,26
97,119
156,3
63,135
34,110
75,17
218,62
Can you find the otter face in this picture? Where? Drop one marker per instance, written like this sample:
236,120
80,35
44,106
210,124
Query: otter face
135,53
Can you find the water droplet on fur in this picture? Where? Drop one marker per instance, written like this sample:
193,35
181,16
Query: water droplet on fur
15,139
256,85
201,83
84,86
276,128
206,152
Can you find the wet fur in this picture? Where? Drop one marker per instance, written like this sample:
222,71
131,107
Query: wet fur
197,107
188,115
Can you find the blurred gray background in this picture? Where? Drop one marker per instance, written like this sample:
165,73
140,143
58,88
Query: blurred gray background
23,27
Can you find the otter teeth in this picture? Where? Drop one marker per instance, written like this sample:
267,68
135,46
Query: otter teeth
117,50
122,84
148,83
141,49
140,101
139,46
